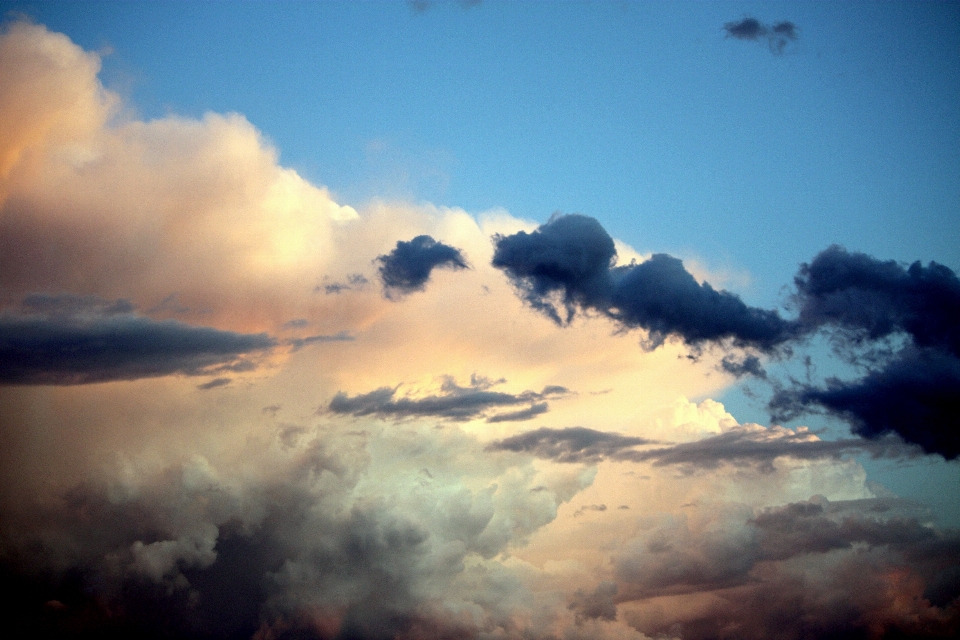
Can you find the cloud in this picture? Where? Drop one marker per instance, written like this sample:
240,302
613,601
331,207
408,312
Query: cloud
67,339
825,569
914,396
571,444
778,36
454,402
407,268
752,444
570,261
322,537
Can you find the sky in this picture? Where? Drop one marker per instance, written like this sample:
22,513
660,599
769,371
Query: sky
488,320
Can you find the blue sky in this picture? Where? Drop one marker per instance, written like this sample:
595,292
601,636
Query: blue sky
308,205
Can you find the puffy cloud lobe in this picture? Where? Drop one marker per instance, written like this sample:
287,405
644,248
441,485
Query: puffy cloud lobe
454,402
571,257
408,267
661,296
76,340
875,298
337,536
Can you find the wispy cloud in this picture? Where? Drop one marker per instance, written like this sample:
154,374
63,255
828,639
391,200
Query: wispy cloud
454,402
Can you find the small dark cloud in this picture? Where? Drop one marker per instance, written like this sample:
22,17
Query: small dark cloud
299,343
746,29
566,265
777,36
589,507
355,282
213,384
571,444
298,323
454,402
68,339
408,267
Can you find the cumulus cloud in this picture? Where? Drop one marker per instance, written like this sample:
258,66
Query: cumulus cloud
147,508
454,402
67,339
309,545
408,267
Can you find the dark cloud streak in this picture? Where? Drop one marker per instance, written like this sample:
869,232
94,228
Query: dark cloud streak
78,340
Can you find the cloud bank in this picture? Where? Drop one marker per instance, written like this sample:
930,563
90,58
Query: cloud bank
149,503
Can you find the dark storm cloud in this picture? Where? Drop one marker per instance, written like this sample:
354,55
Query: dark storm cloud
911,390
569,262
873,298
407,268
915,396
67,339
572,444
777,36
901,324
454,402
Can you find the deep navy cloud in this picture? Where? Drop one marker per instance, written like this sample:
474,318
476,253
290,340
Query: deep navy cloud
74,340
407,268
570,256
914,396
569,260
877,298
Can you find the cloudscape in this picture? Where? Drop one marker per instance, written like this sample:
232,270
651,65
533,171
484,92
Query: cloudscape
240,399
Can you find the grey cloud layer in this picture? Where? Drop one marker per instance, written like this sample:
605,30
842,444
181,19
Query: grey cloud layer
68,339
748,445
455,402
859,558
408,267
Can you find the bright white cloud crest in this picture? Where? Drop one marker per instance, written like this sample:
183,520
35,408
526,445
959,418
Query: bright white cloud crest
253,495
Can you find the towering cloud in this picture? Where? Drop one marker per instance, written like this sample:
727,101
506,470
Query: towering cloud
149,503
